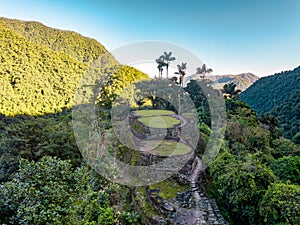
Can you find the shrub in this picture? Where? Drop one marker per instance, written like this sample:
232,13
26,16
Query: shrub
280,204
287,168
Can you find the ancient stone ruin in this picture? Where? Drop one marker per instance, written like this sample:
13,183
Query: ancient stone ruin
190,205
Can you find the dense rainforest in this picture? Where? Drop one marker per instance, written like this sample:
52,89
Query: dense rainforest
255,178
278,95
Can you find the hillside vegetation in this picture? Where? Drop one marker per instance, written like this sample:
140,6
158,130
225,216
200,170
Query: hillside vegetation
83,49
277,95
45,180
41,67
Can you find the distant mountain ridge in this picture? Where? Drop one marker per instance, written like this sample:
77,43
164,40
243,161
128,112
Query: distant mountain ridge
243,80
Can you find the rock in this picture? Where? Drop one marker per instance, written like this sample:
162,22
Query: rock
168,207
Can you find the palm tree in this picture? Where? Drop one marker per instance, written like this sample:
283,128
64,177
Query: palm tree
167,57
230,92
161,63
181,72
160,70
203,71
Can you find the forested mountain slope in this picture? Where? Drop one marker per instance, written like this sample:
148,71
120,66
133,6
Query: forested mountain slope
271,91
40,67
44,178
278,95
288,115
35,79
73,44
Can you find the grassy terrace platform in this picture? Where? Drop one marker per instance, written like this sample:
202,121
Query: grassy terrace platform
153,112
159,121
167,148
157,118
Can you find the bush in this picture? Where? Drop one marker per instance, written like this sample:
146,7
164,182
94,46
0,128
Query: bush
287,168
50,191
296,138
238,186
284,147
280,204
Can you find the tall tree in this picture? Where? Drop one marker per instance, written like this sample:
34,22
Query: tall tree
230,92
168,58
161,63
203,71
181,72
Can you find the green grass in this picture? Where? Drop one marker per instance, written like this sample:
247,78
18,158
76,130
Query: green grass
168,148
145,204
153,112
169,188
159,121
189,115
136,126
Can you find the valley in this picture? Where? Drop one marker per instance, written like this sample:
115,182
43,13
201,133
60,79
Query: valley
87,140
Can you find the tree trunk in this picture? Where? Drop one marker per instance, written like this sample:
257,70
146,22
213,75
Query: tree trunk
167,66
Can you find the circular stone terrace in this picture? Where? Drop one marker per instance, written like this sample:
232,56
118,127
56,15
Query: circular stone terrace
145,123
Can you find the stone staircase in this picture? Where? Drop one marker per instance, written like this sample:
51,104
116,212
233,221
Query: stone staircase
200,208
192,207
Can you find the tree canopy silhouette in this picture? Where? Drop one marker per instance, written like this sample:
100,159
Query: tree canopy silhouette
203,71
181,72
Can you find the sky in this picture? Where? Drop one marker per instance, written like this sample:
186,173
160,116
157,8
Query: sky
231,37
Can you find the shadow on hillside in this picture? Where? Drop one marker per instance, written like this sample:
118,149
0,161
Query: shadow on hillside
32,137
